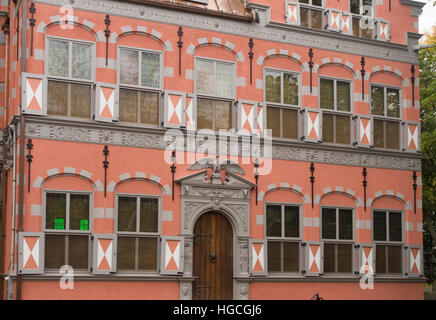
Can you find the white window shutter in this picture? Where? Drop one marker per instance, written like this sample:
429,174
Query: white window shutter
258,257
363,129
172,255
366,259
383,30
106,103
292,12
260,126
414,261
34,94
312,125
31,252
346,23
104,259
246,117
412,136
191,112
334,20
174,109
314,258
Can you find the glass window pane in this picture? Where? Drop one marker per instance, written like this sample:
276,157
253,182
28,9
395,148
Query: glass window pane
82,61
148,215
366,4
392,135
304,17
327,127
204,114
80,100
355,6
57,98
128,105
55,212
379,135
273,121
79,212
150,108
290,123
393,102
290,88
344,258
273,221
368,30
377,100
345,224
395,230
327,98
204,77
126,253
147,259
223,115
78,252
343,129
224,80
329,257
394,259
273,86
315,19
380,259
54,251
356,27
129,65
291,263
379,226
317,3
127,214
150,70
292,222
304,1
328,223
274,256
343,99
58,52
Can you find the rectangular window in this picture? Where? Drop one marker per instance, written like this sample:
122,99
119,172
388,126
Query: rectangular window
337,224
140,68
311,14
69,68
363,25
139,106
283,233
67,230
283,122
214,78
138,232
281,87
387,226
336,128
214,114
386,134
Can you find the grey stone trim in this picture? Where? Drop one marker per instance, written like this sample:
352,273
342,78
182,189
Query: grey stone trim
17,207
18,179
35,210
419,204
297,188
316,222
408,226
101,63
156,34
189,74
166,190
14,92
296,56
260,60
360,224
368,224
240,82
240,57
113,37
99,213
259,84
202,41
400,195
307,199
217,41
419,226
378,194
339,189
359,202
99,186
154,178
387,68
167,215
306,67
284,52
110,213
407,103
124,176
230,45
327,190
406,82
88,23
140,175
351,192
419,181
261,196
168,72
111,186
325,60
398,72
389,193
284,185
39,54
55,18
142,29
260,218
271,52
337,60
307,222
369,202
85,174
70,170
41,27
408,205
53,172
168,46
126,29
317,199
38,182
374,69
100,36
316,68
190,49
271,186
349,64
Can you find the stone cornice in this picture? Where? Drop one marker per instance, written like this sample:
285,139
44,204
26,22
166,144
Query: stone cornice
264,30
153,138
412,3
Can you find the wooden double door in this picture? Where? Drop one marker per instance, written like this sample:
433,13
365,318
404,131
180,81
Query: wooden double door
213,258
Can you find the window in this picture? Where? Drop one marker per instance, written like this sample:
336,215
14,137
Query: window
215,88
388,236
311,14
67,230
385,102
70,76
140,81
335,95
138,233
337,233
283,234
362,11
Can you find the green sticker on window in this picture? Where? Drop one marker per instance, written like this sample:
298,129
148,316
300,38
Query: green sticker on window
84,224
59,224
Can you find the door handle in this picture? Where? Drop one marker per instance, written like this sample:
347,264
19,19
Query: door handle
212,256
